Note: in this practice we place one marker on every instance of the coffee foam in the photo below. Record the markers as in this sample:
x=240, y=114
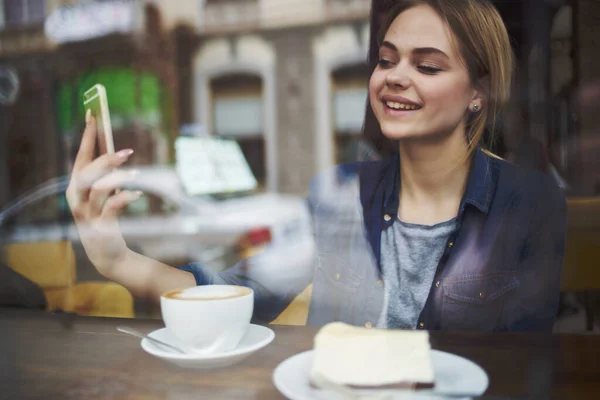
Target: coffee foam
x=209, y=292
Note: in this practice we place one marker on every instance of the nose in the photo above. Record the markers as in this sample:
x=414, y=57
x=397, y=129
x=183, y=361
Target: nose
x=398, y=77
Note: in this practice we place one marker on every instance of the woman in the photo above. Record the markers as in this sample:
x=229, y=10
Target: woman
x=438, y=235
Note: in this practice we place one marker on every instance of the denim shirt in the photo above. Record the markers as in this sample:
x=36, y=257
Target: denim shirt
x=500, y=270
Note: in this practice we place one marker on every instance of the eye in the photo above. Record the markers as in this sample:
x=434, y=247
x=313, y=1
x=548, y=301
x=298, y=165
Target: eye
x=428, y=69
x=383, y=63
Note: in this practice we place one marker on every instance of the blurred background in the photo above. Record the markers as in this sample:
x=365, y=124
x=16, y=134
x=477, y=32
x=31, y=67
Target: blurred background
x=285, y=82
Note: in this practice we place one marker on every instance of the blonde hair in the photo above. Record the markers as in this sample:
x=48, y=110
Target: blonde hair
x=484, y=46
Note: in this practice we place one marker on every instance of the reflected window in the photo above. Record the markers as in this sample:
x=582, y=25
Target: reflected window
x=349, y=109
x=238, y=115
x=350, y=95
x=247, y=120
x=23, y=12
x=218, y=13
x=151, y=205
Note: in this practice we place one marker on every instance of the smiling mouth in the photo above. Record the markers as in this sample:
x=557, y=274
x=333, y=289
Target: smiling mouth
x=402, y=106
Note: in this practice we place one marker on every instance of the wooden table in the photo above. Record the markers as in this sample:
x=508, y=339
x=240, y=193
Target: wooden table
x=45, y=355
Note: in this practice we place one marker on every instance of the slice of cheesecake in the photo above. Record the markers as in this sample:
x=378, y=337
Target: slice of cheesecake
x=364, y=358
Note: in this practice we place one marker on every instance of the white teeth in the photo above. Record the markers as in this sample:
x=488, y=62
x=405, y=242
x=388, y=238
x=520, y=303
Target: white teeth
x=400, y=106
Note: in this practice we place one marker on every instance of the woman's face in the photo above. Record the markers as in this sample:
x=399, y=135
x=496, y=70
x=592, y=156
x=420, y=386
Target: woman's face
x=420, y=88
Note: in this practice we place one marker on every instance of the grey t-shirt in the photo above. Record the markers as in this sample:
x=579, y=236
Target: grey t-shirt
x=410, y=254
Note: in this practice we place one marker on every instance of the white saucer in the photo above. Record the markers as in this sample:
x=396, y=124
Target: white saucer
x=256, y=338
x=454, y=376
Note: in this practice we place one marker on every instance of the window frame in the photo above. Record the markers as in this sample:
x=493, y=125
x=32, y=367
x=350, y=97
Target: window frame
x=26, y=19
x=2, y=14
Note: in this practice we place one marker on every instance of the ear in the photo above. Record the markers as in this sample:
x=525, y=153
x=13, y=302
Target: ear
x=481, y=91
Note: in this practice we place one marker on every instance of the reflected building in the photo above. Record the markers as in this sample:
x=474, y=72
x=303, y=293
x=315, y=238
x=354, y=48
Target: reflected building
x=285, y=78
x=121, y=44
x=309, y=57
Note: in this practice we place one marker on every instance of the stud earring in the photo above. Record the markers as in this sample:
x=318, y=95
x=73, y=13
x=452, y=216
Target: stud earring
x=475, y=108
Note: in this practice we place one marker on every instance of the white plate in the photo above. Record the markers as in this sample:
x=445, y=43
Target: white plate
x=256, y=338
x=454, y=376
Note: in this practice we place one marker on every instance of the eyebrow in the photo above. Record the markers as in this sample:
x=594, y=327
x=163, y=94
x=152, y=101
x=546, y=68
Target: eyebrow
x=419, y=51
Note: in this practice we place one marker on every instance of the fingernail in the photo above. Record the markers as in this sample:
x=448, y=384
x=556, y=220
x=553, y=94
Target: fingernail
x=125, y=153
x=136, y=195
x=88, y=116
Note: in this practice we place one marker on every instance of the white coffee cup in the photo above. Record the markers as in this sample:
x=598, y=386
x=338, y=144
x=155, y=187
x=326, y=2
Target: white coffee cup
x=208, y=319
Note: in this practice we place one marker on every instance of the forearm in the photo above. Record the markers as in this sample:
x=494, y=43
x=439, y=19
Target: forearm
x=147, y=278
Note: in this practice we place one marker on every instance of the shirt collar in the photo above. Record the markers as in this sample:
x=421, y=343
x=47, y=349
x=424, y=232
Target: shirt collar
x=481, y=183
x=479, y=191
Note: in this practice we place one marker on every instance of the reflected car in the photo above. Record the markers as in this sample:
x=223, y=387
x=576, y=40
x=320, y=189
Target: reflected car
x=168, y=225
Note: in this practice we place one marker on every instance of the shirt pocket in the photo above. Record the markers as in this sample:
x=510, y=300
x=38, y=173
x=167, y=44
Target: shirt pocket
x=338, y=272
x=336, y=291
x=475, y=302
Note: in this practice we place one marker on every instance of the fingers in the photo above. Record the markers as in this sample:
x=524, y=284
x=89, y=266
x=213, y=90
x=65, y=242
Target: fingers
x=103, y=187
x=104, y=223
x=75, y=203
x=75, y=199
x=113, y=206
x=86, y=170
x=82, y=181
x=88, y=143
x=100, y=167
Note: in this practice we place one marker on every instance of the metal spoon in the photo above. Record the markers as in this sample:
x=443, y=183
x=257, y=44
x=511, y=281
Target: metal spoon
x=134, y=332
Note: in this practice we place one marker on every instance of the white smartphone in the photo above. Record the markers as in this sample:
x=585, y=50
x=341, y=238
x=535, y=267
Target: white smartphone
x=96, y=101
